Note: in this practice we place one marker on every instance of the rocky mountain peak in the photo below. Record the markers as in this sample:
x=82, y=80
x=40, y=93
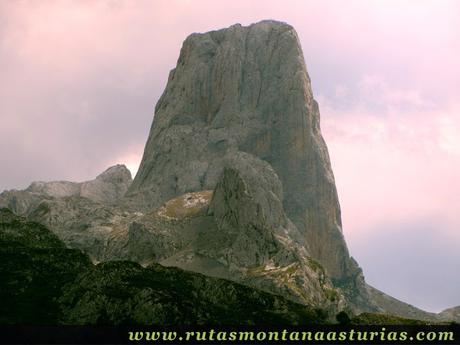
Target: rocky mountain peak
x=245, y=89
x=235, y=183
x=117, y=173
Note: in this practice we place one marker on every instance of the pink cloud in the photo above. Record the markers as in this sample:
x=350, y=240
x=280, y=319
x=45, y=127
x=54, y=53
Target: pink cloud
x=398, y=162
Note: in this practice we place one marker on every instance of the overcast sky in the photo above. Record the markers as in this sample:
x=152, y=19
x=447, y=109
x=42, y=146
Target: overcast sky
x=79, y=81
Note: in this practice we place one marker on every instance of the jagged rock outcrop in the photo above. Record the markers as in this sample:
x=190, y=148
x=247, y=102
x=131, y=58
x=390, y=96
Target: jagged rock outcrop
x=451, y=314
x=393, y=306
x=245, y=89
x=246, y=237
x=248, y=211
x=106, y=188
x=81, y=214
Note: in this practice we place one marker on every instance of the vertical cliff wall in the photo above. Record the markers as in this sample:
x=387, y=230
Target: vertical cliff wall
x=245, y=89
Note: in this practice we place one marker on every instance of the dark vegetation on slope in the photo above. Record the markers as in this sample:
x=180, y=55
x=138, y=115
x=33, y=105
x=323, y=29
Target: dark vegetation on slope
x=45, y=283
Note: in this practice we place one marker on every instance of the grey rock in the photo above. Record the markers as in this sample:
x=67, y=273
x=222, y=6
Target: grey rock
x=247, y=207
x=21, y=201
x=81, y=214
x=109, y=232
x=79, y=222
x=55, y=189
x=107, y=188
x=245, y=89
x=391, y=305
x=244, y=92
x=254, y=237
x=451, y=314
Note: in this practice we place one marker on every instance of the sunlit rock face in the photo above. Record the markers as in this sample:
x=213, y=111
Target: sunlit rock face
x=107, y=188
x=245, y=89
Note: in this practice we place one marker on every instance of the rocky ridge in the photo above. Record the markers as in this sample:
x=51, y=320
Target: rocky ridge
x=107, y=188
x=45, y=283
x=450, y=314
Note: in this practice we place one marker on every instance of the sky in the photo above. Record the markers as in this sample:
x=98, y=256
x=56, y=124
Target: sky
x=79, y=81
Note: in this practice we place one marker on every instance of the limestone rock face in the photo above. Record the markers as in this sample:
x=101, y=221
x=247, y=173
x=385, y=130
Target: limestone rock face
x=254, y=239
x=21, y=201
x=81, y=214
x=248, y=211
x=107, y=187
x=245, y=89
x=451, y=314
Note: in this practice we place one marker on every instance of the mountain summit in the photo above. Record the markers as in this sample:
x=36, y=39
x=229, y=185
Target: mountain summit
x=246, y=89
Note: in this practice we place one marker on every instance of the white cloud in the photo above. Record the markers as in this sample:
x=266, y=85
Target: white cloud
x=396, y=169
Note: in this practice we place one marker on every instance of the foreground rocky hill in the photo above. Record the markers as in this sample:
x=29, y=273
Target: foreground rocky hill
x=450, y=314
x=235, y=183
x=238, y=231
x=45, y=283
